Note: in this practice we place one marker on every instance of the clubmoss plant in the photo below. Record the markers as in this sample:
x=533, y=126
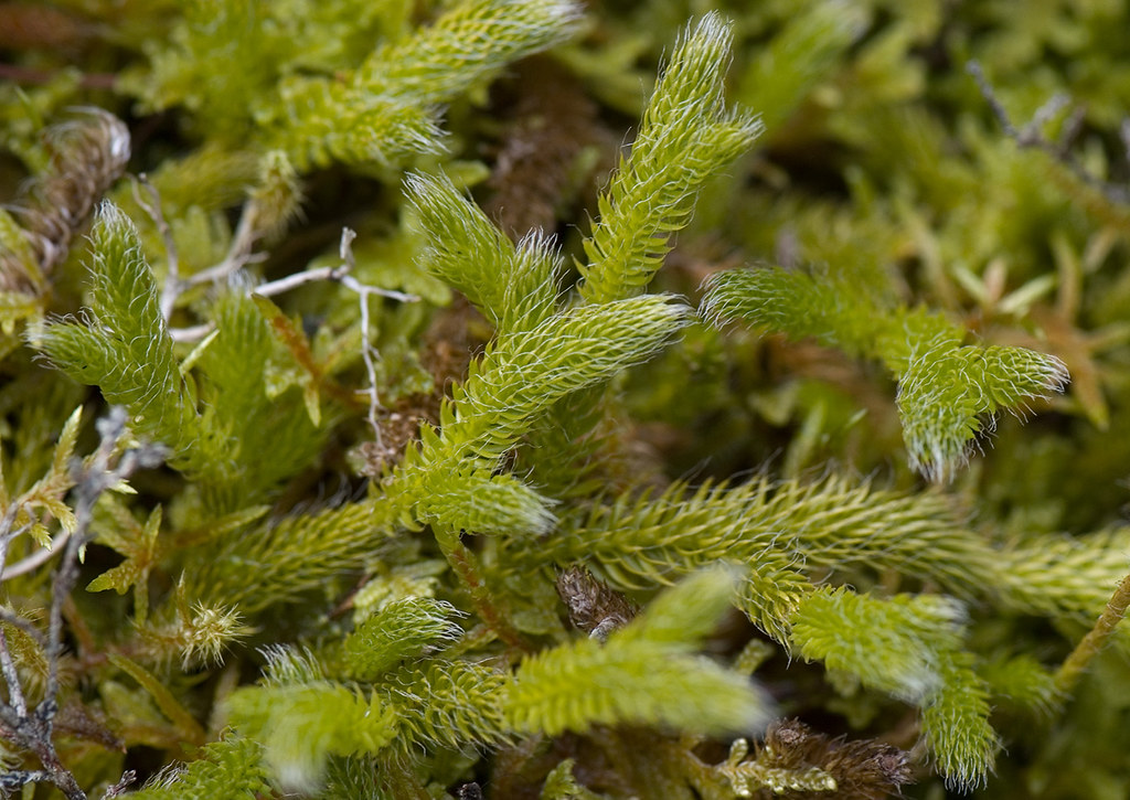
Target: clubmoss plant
x=793, y=467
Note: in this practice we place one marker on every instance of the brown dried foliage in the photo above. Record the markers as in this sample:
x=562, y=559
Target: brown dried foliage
x=446, y=354
x=87, y=155
x=551, y=122
x=79, y=721
x=593, y=607
x=864, y=769
x=27, y=26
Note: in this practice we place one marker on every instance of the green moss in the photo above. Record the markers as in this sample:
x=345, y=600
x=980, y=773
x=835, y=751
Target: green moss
x=448, y=508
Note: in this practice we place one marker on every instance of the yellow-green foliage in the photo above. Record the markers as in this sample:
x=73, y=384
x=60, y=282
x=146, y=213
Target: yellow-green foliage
x=646, y=672
x=230, y=768
x=808, y=403
x=401, y=629
x=687, y=134
x=126, y=348
x=946, y=391
x=513, y=286
x=299, y=726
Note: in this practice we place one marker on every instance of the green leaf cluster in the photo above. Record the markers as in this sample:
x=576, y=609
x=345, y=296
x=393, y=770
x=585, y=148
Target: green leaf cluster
x=948, y=393
x=446, y=510
x=125, y=348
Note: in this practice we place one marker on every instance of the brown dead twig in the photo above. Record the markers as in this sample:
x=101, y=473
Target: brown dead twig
x=87, y=154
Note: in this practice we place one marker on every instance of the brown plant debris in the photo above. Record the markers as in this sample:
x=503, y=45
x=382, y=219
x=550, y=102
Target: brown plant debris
x=446, y=354
x=552, y=123
x=87, y=155
x=864, y=769
x=593, y=607
x=26, y=26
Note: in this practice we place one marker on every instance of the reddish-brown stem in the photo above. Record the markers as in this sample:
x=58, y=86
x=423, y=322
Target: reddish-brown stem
x=24, y=75
x=462, y=561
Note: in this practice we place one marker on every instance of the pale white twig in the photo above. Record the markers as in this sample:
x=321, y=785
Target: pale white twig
x=293, y=281
x=239, y=252
x=238, y=256
x=26, y=565
x=363, y=292
x=192, y=334
x=339, y=275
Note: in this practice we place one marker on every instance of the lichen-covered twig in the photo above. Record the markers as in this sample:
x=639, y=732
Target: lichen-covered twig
x=32, y=728
x=1029, y=136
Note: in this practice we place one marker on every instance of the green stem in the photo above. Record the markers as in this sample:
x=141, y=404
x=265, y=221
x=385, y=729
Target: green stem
x=1096, y=639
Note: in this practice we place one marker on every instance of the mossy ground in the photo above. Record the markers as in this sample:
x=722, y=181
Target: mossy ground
x=787, y=329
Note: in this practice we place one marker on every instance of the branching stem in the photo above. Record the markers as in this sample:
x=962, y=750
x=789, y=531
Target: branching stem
x=32, y=729
x=32, y=562
x=11, y=677
x=1030, y=137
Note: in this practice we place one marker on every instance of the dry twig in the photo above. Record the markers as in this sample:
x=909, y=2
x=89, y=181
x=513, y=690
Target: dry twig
x=32, y=728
